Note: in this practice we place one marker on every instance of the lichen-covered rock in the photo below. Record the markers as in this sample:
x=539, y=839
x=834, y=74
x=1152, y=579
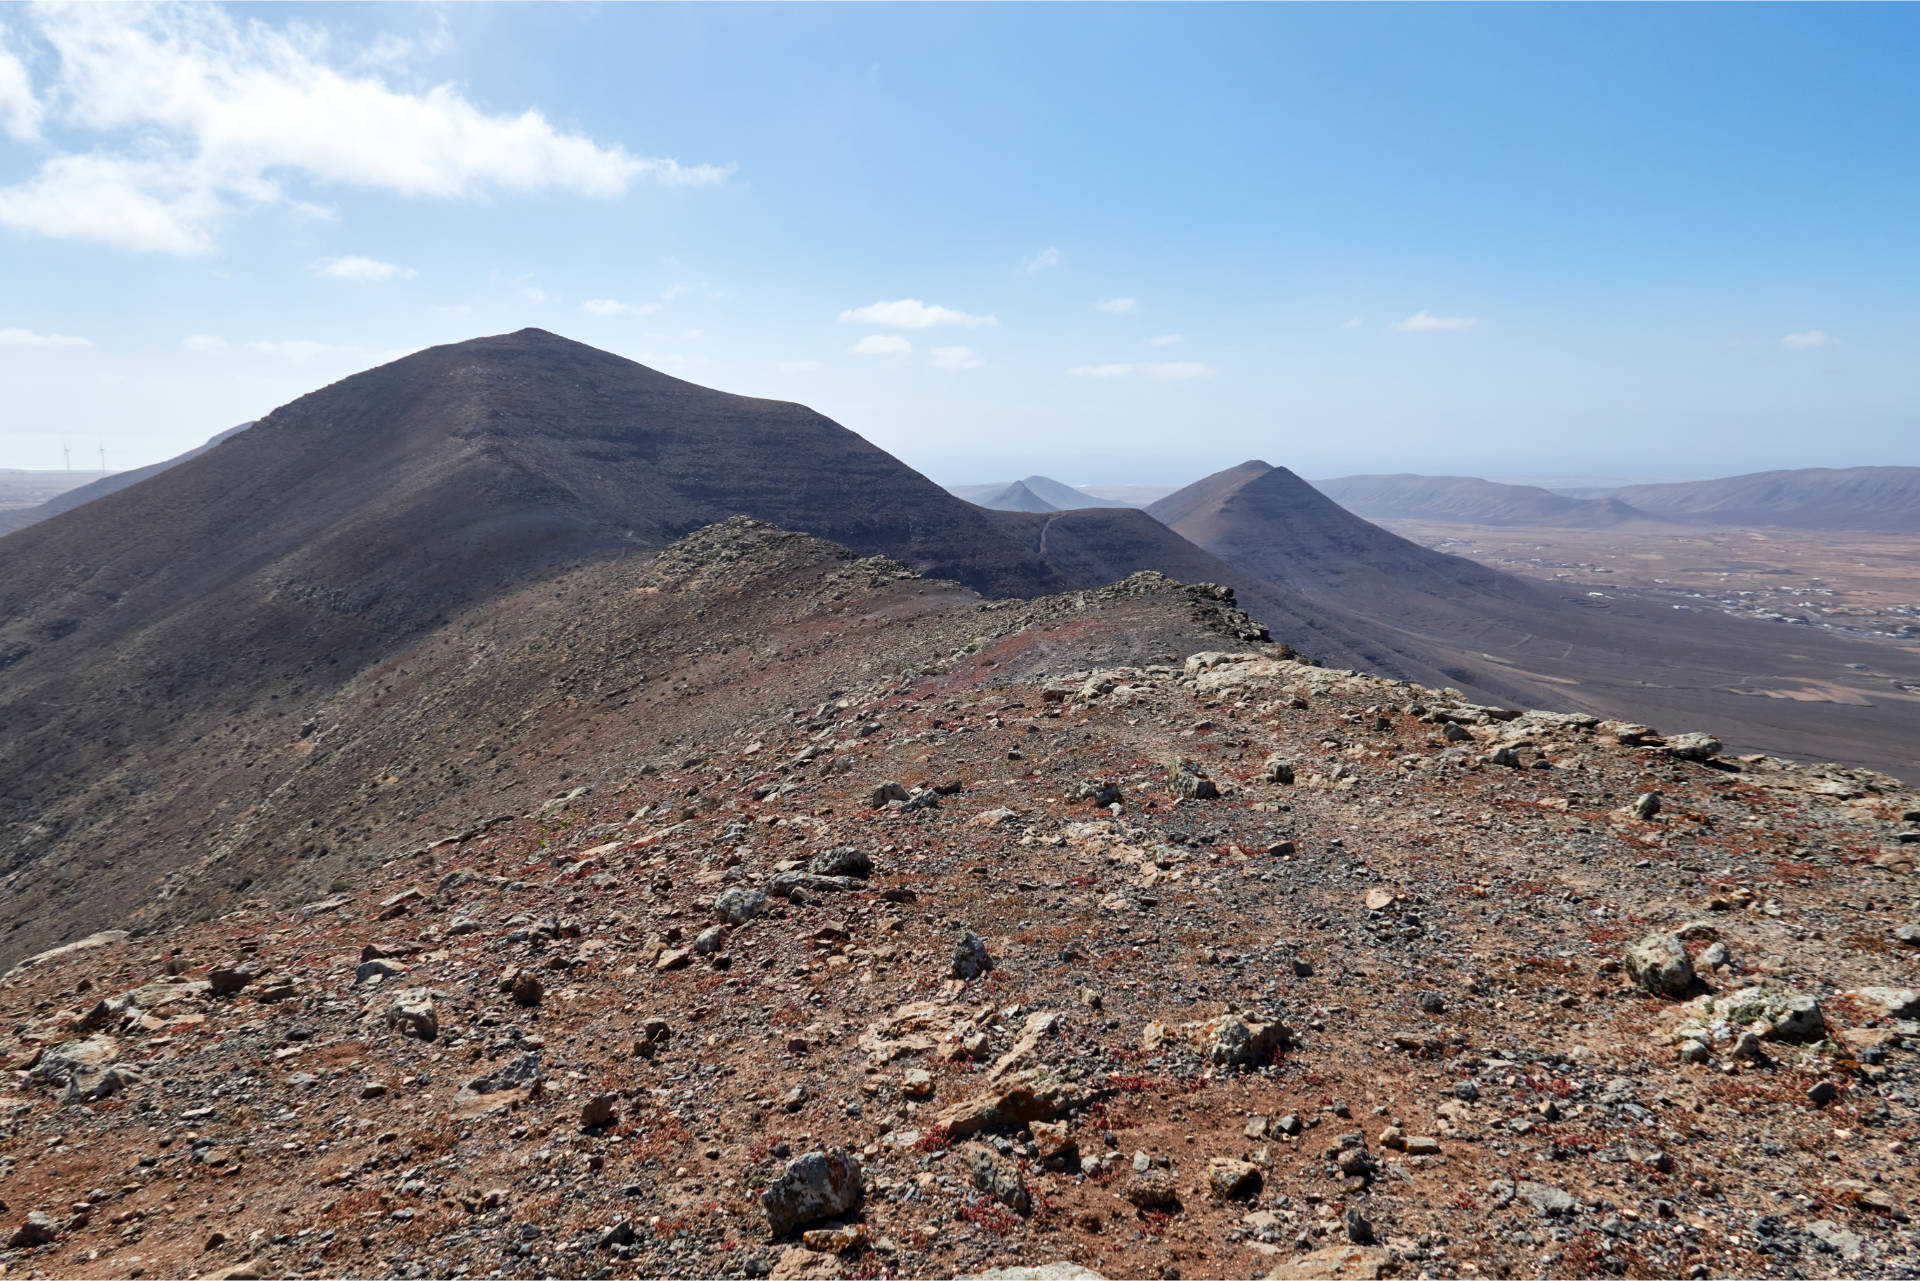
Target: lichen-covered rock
x=740, y=904
x=814, y=1186
x=993, y=1174
x=1659, y=963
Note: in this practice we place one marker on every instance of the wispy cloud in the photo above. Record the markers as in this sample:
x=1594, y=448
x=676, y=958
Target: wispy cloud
x=956, y=358
x=1168, y=370
x=28, y=338
x=19, y=109
x=1426, y=322
x=1811, y=338
x=1351, y=322
x=198, y=113
x=204, y=344
x=298, y=350
x=882, y=345
x=797, y=366
x=365, y=270
x=612, y=307
x=1165, y=340
x=1048, y=257
x=1117, y=306
x=911, y=313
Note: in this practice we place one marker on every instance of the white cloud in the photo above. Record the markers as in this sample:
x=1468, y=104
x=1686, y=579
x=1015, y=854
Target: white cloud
x=797, y=366
x=200, y=113
x=911, y=313
x=1351, y=322
x=604, y=307
x=204, y=344
x=1048, y=257
x=298, y=350
x=1169, y=370
x=19, y=110
x=1426, y=322
x=28, y=338
x=881, y=345
x=533, y=293
x=1811, y=338
x=1117, y=306
x=956, y=358
x=1165, y=340
x=365, y=270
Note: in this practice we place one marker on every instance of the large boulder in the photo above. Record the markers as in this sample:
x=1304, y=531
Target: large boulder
x=814, y=1186
x=1659, y=963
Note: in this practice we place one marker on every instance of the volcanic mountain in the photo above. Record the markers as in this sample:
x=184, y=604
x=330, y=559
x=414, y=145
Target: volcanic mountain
x=218, y=602
x=1470, y=501
x=1885, y=499
x=1614, y=654
x=1034, y=494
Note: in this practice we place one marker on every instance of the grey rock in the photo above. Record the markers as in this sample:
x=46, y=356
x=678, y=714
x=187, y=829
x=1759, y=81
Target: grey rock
x=738, y=905
x=1693, y=747
x=1659, y=963
x=815, y=1185
x=993, y=1174
x=969, y=959
x=843, y=860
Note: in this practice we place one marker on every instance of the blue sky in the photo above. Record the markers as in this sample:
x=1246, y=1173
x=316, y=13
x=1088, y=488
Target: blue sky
x=1129, y=243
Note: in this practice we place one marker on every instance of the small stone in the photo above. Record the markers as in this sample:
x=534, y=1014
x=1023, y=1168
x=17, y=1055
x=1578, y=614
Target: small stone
x=1645, y=806
x=598, y=1111
x=969, y=959
x=918, y=1083
x=1151, y=1190
x=1822, y=1093
x=1230, y=1179
x=996, y=1176
x=528, y=990
x=39, y=1228
x=412, y=1012
x=1659, y=963
x=739, y=904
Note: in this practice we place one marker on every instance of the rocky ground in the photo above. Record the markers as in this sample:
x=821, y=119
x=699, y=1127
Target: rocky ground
x=1222, y=965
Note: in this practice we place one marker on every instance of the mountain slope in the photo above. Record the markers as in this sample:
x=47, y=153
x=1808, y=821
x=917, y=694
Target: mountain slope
x=1471, y=501
x=111, y=483
x=218, y=602
x=1884, y=499
x=1613, y=654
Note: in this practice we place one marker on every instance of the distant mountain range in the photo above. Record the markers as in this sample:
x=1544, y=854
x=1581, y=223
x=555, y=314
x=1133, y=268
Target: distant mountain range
x=1885, y=499
x=1880, y=499
x=1467, y=500
x=1034, y=494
